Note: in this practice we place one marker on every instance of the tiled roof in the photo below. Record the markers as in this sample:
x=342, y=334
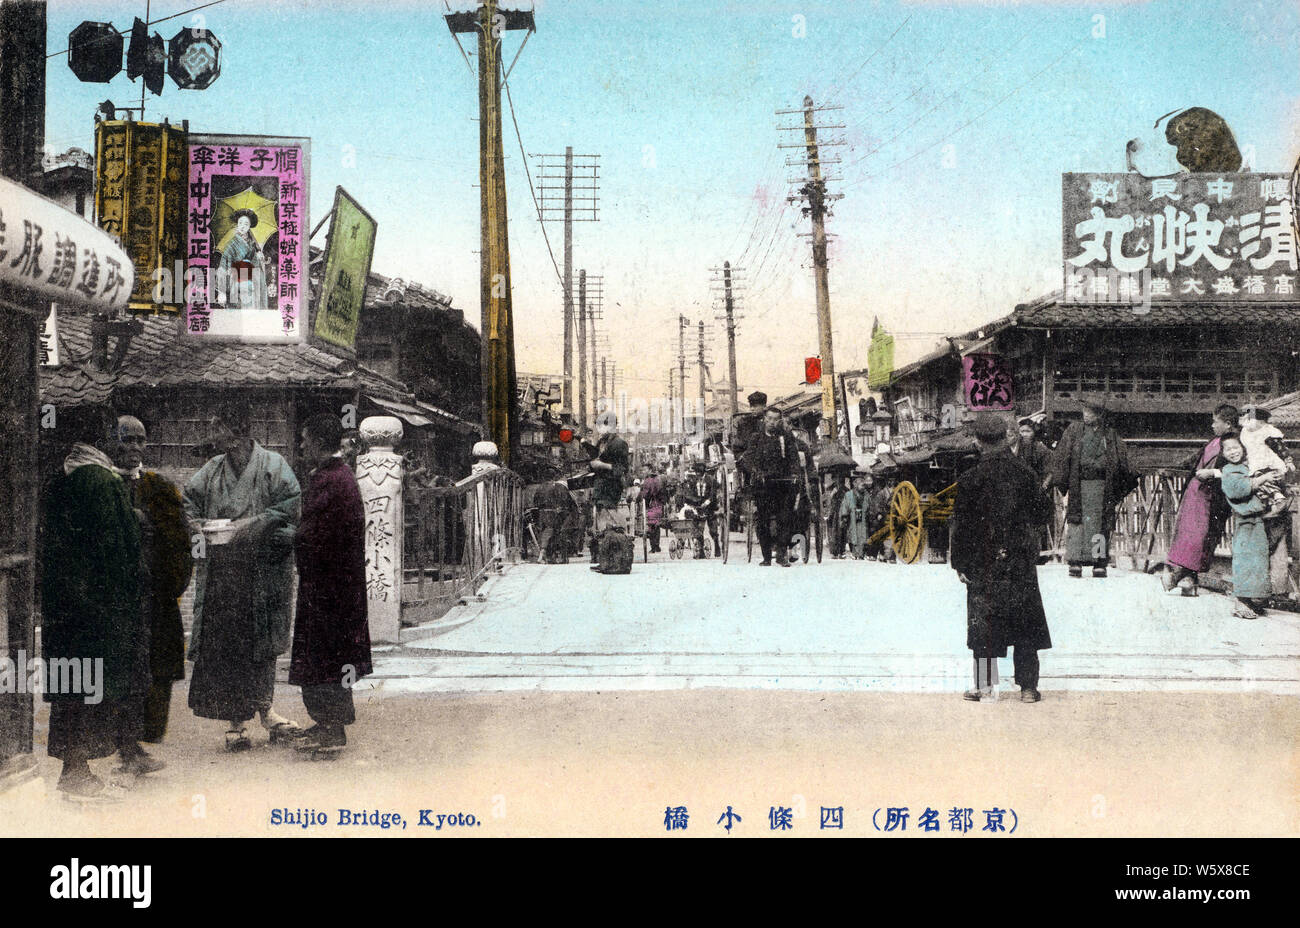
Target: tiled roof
x=1285, y=410
x=160, y=357
x=795, y=402
x=1053, y=314
x=413, y=293
x=955, y=345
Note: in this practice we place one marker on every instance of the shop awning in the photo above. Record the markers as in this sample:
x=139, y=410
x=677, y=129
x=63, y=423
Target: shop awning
x=408, y=414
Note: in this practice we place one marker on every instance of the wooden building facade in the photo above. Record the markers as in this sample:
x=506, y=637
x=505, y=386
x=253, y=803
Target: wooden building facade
x=1163, y=371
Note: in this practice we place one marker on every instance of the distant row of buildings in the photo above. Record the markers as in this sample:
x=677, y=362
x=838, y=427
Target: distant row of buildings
x=1161, y=371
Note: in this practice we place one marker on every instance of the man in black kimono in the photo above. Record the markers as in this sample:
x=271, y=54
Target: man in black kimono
x=331, y=637
x=999, y=511
x=1090, y=464
x=166, y=565
x=770, y=463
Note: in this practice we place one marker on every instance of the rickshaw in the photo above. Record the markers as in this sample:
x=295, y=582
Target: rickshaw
x=925, y=493
x=684, y=534
x=807, y=524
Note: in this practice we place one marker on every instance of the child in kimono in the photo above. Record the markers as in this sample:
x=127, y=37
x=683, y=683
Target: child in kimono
x=1264, y=450
x=1250, y=579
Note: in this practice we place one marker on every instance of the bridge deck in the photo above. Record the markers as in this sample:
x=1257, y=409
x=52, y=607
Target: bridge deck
x=840, y=625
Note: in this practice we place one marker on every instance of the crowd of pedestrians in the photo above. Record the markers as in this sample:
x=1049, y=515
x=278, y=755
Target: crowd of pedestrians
x=119, y=545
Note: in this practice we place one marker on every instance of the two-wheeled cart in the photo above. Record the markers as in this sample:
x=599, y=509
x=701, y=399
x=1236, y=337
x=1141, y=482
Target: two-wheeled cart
x=924, y=496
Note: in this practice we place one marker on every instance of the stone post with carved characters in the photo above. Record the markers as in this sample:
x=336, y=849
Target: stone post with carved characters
x=379, y=475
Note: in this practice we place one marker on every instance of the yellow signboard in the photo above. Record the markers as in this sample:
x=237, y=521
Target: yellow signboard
x=140, y=196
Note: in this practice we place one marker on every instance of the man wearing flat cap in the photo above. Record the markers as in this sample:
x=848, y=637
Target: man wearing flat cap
x=999, y=511
x=1091, y=465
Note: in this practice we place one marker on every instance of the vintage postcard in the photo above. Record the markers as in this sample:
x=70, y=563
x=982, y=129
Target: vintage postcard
x=677, y=419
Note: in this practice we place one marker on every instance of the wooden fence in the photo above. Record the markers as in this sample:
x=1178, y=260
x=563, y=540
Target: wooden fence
x=1144, y=523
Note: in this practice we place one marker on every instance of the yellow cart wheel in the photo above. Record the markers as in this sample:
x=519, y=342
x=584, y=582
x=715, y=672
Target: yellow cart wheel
x=905, y=523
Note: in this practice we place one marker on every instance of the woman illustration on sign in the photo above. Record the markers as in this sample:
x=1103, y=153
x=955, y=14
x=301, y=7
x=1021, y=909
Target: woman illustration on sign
x=241, y=275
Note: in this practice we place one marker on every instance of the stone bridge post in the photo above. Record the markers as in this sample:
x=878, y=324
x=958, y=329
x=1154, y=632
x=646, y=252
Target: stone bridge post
x=379, y=475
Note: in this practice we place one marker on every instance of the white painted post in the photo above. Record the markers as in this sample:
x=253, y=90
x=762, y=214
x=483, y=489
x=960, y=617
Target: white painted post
x=379, y=475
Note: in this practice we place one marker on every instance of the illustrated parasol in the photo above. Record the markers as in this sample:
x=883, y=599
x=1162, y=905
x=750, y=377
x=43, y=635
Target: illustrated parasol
x=225, y=216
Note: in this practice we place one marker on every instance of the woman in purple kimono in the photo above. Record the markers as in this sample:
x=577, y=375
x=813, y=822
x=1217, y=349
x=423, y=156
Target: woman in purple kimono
x=652, y=492
x=1202, y=512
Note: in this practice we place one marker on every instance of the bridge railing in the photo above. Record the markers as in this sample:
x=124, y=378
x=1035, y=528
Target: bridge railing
x=454, y=536
x=428, y=546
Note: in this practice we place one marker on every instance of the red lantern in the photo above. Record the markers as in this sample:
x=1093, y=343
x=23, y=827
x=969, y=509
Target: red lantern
x=566, y=435
x=812, y=370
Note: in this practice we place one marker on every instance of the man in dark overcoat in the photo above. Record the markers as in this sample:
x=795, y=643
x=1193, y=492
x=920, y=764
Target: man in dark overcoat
x=331, y=637
x=999, y=510
x=166, y=567
x=746, y=425
x=91, y=615
x=1091, y=465
x=552, y=506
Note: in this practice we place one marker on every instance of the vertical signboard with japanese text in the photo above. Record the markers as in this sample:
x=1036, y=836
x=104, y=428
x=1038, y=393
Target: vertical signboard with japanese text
x=348, y=255
x=140, y=176
x=48, y=344
x=247, y=238
x=986, y=382
x=1189, y=237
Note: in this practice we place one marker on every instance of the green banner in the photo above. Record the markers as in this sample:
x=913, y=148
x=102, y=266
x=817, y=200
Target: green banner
x=880, y=359
x=348, y=254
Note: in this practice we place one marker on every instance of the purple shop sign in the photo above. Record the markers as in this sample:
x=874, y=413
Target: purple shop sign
x=247, y=232
x=986, y=382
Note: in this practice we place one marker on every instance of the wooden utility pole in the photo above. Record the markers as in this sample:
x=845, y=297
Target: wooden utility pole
x=813, y=192
x=604, y=382
x=582, y=349
x=730, y=306
x=672, y=401
x=497, y=353
x=591, y=329
x=566, y=392
x=816, y=195
x=567, y=189
x=681, y=374
x=700, y=354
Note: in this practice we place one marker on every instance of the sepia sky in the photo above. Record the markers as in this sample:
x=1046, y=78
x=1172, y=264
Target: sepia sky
x=959, y=119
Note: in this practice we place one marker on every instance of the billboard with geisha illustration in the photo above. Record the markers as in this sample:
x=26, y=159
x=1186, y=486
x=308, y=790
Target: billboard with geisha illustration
x=248, y=237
